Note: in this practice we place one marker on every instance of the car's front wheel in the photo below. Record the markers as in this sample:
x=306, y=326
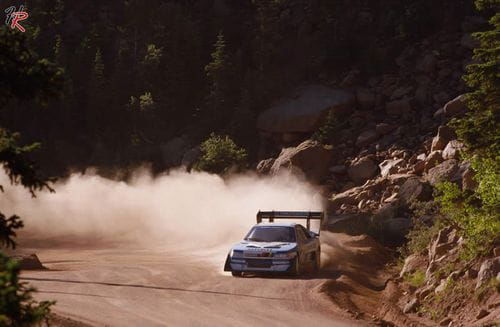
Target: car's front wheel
x=237, y=273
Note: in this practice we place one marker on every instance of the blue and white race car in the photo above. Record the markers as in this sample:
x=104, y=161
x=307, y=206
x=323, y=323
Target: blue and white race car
x=277, y=247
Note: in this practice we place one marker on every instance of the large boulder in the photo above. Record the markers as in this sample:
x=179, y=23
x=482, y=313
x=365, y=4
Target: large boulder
x=349, y=197
x=366, y=138
x=490, y=269
x=446, y=133
x=468, y=180
x=438, y=143
x=434, y=158
x=387, y=212
x=305, y=110
x=444, y=136
x=28, y=262
x=414, y=190
x=389, y=166
x=443, y=172
x=452, y=150
x=362, y=170
x=400, y=179
x=310, y=158
x=455, y=106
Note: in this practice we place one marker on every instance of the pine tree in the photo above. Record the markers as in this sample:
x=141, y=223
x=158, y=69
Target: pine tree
x=480, y=128
x=58, y=12
x=476, y=212
x=98, y=70
x=26, y=78
x=97, y=98
x=58, y=49
x=219, y=74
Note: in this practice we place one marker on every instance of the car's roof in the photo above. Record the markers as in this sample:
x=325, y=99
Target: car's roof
x=277, y=224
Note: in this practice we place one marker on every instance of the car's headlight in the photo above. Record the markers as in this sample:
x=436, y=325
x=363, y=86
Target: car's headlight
x=236, y=254
x=285, y=255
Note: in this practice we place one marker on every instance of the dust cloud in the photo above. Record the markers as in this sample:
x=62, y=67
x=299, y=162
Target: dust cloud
x=187, y=209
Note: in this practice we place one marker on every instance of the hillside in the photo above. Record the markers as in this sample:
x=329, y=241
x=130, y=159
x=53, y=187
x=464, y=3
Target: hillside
x=141, y=87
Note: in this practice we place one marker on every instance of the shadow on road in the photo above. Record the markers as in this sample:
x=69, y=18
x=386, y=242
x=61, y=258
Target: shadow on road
x=57, y=280
x=321, y=275
x=72, y=293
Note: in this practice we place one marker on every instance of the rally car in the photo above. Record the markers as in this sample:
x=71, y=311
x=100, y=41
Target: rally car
x=277, y=247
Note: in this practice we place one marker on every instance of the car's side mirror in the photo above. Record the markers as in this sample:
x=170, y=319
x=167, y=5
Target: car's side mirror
x=313, y=234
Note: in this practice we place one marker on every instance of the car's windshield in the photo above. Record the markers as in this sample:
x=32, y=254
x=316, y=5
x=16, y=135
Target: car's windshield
x=271, y=234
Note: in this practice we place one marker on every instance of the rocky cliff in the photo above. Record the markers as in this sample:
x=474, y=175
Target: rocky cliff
x=390, y=149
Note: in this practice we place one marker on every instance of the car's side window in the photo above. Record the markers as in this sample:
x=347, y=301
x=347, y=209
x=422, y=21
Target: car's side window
x=300, y=235
x=306, y=233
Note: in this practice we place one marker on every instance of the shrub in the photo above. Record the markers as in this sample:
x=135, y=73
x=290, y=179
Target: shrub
x=423, y=230
x=419, y=237
x=417, y=279
x=470, y=214
x=17, y=307
x=479, y=129
x=327, y=133
x=220, y=153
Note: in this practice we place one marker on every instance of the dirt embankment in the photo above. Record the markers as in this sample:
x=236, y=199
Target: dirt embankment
x=365, y=282
x=363, y=286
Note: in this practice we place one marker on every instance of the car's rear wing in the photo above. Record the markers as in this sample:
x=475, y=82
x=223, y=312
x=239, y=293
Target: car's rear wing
x=308, y=215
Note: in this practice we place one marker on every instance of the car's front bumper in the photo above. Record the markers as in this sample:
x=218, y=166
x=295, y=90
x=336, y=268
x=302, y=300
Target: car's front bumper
x=260, y=265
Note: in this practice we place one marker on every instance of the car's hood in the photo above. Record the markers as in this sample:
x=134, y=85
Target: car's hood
x=264, y=246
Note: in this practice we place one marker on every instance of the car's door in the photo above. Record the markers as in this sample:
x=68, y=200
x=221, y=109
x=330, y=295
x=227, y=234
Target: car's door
x=307, y=245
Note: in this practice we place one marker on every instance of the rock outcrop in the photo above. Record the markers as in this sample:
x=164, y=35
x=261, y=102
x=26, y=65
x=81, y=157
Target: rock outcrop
x=305, y=110
x=442, y=172
x=264, y=166
x=392, y=146
x=455, y=106
x=28, y=262
x=362, y=170
x=490, y=269
x=310, y=159
x=414, y=190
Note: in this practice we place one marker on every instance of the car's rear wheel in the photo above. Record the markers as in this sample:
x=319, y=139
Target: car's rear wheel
x=237, y=273
x=296, y=269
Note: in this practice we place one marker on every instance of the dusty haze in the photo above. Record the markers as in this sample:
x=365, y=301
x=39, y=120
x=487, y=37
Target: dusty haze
x=189, y=209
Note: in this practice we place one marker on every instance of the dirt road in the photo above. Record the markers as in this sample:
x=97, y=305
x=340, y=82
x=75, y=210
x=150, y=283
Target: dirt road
x=118, y=286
